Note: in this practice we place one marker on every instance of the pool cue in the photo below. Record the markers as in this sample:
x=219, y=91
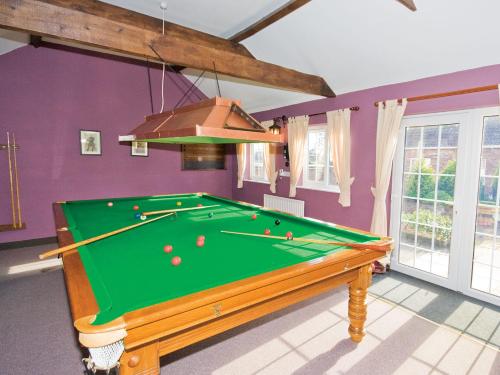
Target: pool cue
x=178, y=210
x=19, y=217
x=96, y=238
x=385, y=246
x=11, y=183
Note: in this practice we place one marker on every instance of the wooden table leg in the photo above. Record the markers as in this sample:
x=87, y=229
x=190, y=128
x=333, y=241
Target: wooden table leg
x=357, y=303
x=143, y=360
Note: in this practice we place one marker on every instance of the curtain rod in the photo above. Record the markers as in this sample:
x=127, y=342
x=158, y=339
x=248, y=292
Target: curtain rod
x=448, y=93
x=356, y=108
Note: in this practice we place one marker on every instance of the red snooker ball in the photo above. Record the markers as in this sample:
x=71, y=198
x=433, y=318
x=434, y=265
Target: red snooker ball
x=200, y=243
x=200, y=205
x=200, y=238
x=136, y=207
x=254, y=216
x=176, y=261
x=289, y=235
x=267, y=231
x=168, y=248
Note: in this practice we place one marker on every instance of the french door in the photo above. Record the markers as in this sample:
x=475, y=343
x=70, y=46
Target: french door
x=445, y=206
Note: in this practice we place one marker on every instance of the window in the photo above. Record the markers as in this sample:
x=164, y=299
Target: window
x=257, y=170
x=318, y=167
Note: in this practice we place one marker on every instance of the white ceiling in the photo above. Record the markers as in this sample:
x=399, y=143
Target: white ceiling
x=353, y=44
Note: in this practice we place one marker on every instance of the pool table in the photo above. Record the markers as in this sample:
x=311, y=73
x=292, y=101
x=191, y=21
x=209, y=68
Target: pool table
x=125, y=289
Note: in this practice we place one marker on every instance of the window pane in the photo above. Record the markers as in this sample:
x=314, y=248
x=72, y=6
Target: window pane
x=490, y=161
x=408, y=231
x=409, y=210
x=447, y=161
x=412, y=138
x=427, y=186
x=424, y=236
x=485, y=219
x=316, y=157
x=406, y=255
x=431, y=136
x=410, y=185
x=257, y=171
x=488, y=189
x=429, y=159
x=446, y=188
x=491, y=135
x=449, y=136
x=411, y=160
x=332, y=180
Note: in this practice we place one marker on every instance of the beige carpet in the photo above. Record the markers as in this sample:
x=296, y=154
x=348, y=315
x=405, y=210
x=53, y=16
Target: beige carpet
x=309, y=338
x=313, y=339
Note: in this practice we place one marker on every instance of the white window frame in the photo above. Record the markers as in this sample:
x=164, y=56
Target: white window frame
x=252, y=176
x=312, y=185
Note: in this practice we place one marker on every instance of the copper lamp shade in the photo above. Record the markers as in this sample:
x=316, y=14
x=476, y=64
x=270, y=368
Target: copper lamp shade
x=215, y=120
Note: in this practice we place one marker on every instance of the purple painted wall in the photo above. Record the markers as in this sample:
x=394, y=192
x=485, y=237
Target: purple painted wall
x=47, y=95
x=324, y=205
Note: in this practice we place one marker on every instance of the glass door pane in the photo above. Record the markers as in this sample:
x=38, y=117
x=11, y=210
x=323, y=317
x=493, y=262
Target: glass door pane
x=427, y=201
x=486, y=259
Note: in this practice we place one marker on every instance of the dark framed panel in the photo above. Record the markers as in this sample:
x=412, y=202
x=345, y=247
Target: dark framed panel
x=203, y=156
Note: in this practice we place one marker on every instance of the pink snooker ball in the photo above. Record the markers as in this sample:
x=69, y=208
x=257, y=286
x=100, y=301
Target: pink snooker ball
x=176, y=260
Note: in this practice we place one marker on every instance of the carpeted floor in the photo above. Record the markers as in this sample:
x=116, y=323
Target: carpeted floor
x=36, y=330
x=309, y=338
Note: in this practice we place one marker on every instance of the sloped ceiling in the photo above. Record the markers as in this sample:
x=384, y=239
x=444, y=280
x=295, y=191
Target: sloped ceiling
x=353, y=44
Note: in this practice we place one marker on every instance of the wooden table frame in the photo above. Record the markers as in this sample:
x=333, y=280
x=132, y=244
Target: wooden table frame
x=160, y=329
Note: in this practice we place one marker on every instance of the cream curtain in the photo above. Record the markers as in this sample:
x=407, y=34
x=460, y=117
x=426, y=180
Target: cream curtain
x=297, y=135
x=241, y=155
x=339, y=137
x=388, y=124
x=270, y=159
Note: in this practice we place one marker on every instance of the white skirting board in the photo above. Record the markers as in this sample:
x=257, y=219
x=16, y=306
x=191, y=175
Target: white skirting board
x=291, y=206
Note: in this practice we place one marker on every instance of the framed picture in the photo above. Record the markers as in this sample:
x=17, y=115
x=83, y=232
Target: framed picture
x=139, y=149
x=90, y=142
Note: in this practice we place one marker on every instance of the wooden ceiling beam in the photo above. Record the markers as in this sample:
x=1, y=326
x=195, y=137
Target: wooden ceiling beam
x=129, y=17
x=173, y=50
x=269, y=19
x=409, y=4
x=99, y=25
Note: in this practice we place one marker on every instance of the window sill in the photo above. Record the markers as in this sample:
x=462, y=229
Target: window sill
x=333, y=189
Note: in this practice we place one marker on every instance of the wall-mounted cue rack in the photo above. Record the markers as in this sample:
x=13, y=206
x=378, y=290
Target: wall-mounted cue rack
x=15, y=201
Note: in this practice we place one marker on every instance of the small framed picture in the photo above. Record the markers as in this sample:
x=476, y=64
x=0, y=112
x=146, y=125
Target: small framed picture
x=139, y=149
x=90, y=142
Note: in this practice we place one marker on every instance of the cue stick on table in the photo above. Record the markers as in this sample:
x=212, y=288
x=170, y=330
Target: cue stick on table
x=17, y=183
x=178, y=210
x=97, y=238
x=14, y=223
x=385, y=246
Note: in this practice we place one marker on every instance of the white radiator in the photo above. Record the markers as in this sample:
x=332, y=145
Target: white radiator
x=291, y=206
